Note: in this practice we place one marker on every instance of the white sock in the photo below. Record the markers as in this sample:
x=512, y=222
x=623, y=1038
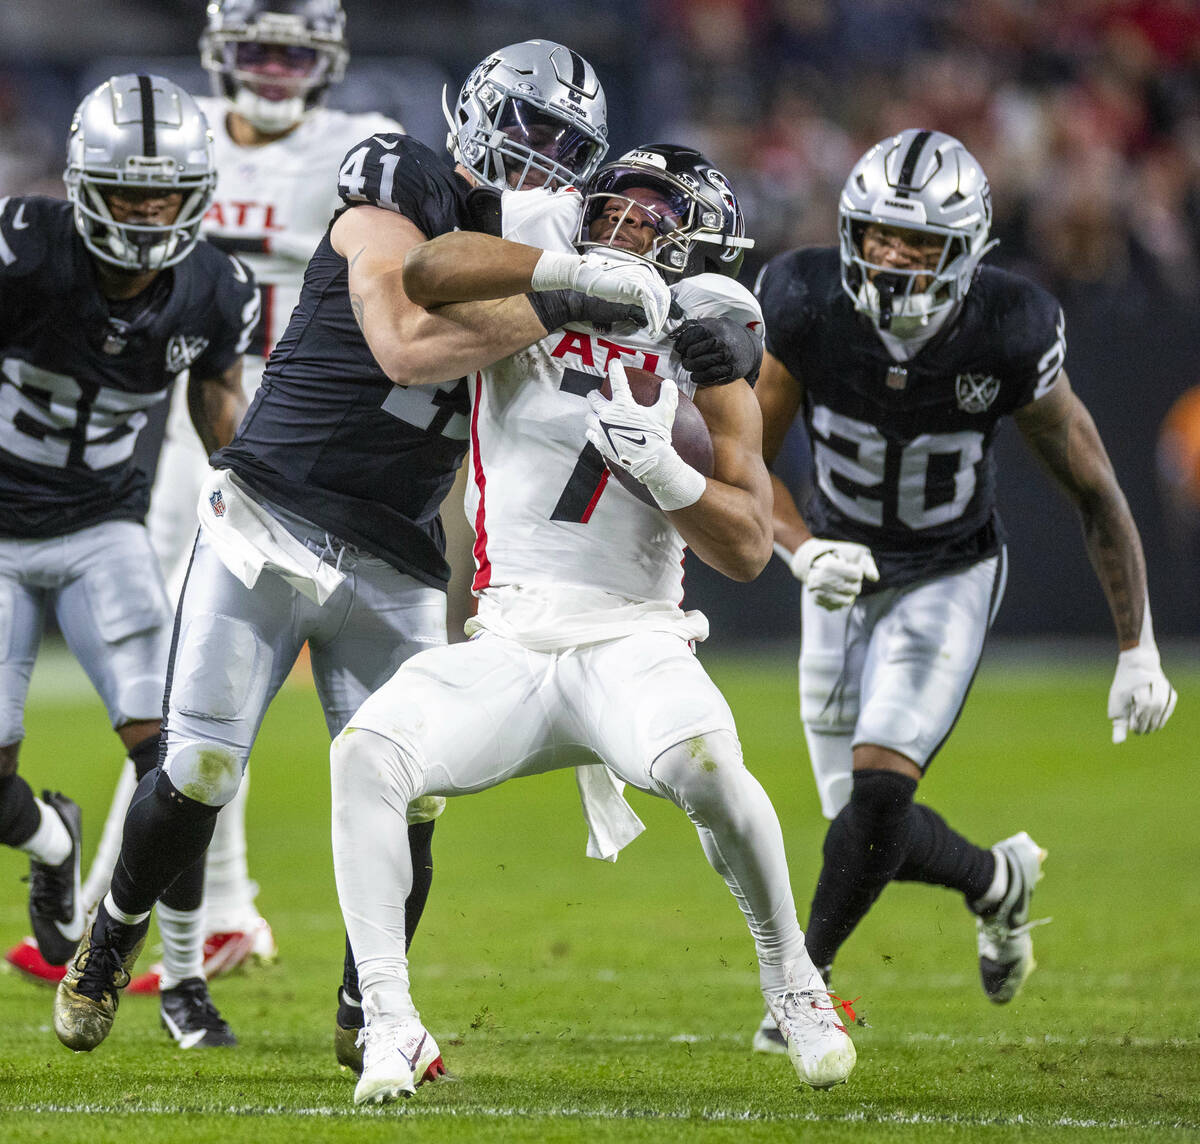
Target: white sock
x=118, y=915
x=998, y=888
x=228, y=891
x=104, y=861
x=50, y=843
x=182, y=934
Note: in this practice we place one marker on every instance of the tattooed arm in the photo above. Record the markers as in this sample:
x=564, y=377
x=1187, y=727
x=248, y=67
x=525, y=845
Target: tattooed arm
x=412, y=345
x=1060, y=432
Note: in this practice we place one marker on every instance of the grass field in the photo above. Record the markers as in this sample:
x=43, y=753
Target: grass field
x=575, y=1000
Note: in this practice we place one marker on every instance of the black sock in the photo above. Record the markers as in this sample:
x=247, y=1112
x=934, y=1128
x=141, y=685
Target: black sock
x=145, y=756
x=864, y=847
x=187, y=891
x=165, y=833
x=420, y=845
x=943, y=857
x=19, y=814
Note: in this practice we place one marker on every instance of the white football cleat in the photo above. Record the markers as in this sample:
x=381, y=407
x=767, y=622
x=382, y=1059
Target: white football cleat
x=768, y=1038
x=1005, y=947
x=818, y=1045
x=397, y=1057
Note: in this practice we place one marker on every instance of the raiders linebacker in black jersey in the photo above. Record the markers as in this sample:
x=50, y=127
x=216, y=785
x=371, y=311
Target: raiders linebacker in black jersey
x=320, y=520
x=902, y=354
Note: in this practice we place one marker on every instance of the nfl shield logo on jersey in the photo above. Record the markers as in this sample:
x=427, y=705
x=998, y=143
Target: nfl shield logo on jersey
x=217, y=502
x=975, y=391
x=182, y=351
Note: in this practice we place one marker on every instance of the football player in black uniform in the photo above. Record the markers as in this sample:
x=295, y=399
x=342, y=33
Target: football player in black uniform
x=106, y=299
x=902, y=354
x=320, y=521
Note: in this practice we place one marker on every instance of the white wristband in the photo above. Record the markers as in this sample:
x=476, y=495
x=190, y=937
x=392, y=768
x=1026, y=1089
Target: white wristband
x=555, y=271
x=673, y=483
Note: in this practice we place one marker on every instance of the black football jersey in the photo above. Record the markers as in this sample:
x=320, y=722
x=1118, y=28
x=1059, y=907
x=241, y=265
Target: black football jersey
x=78, y=371
x=902, y=451
x=328, y=435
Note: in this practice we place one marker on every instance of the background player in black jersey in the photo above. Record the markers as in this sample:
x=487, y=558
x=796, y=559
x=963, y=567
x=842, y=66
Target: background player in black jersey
x=320, y=521
x=104, y=300
x=903, y=354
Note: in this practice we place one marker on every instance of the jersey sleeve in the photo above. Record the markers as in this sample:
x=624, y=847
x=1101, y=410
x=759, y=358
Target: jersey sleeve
x=401, y=174
x=1035, y=340
x=542, y=218
x=23, y=238
x=783, y=295
x=236, y=301
x=716, y=296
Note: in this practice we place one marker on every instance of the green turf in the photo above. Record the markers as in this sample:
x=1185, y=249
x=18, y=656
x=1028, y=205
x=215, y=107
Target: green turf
x=577, y=1000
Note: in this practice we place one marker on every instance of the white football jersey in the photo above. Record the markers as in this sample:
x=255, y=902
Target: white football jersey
x=273, y=202
x=543, y=505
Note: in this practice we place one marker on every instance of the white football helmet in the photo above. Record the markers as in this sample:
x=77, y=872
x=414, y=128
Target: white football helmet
x=532, y=114
x=310, y=35
x=924, y=181
x=144, y=132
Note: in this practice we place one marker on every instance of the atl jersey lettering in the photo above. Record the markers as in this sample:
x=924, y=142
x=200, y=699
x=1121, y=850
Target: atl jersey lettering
x=902, y=451
x=273, y=202
x=328, y=435
x=78, y=373
x=543, y=506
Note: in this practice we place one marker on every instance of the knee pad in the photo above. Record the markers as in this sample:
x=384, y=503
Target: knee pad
x=146, y=755
x=359, y=759
x=207, y=773
x=698, y=768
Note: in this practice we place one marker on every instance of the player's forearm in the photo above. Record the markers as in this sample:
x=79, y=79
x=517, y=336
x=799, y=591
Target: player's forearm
x=788, y=525
x=216, y=409
x=1115, y=550
x=465, y=266
x=729, y=529
x=456, y=340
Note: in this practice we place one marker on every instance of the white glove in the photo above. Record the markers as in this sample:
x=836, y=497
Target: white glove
x=1140, y=699
x=832, y=570
x=638, y=438
x=608, y=276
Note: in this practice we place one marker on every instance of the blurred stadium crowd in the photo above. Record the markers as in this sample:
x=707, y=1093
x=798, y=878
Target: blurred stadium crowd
x=1084, y=113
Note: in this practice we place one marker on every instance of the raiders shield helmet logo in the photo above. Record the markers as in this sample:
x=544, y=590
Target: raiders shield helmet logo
x=975, y=392
x=182, y=351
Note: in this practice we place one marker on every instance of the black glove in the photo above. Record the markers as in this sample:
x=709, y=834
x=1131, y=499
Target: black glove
x=555, y=308
x=716, y=351
x=483, y=210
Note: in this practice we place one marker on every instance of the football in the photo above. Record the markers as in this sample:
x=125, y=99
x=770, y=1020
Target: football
x=689, y=433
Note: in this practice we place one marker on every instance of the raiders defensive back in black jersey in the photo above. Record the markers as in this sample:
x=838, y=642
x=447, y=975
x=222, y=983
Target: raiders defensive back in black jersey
x=902, y=450
x=902, y=353
x=80, y=370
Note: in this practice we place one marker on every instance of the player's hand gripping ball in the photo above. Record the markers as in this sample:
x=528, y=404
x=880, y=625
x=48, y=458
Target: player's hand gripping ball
x=689, y=434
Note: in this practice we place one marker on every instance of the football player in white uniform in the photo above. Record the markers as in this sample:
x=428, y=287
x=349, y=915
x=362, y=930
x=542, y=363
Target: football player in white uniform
x=902, y=354
x=581, y=653
x=276, y=148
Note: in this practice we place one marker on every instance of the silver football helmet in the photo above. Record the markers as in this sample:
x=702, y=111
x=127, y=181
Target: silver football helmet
x=924, y=181
x=532, y=114
x=699, y=228
x=139, y=132
x=310, y=41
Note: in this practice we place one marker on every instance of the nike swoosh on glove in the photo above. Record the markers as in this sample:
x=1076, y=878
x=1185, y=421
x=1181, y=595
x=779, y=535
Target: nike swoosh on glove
x=638, y=438
x=607, y=276
x=832, y=570
x=1141, y=699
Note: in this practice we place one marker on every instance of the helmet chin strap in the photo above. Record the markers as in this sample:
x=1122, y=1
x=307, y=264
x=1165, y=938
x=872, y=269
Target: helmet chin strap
x=913, y=317
x=268, y=115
